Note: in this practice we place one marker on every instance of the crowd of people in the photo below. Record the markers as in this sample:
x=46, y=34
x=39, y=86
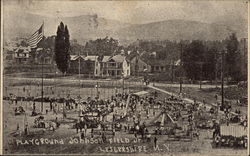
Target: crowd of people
x=131, y=114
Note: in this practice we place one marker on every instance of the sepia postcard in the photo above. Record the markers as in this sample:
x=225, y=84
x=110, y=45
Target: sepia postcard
x=124, y=77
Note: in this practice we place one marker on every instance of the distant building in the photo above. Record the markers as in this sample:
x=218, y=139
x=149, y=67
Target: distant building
x=44, y=56
x=141, y=65
x=112, y=66
x=9, y=54
x=90, y=65
x=138, y=66
x=101, y=66
x=159, y=66
x=22, y=54
x=75, y=60
x=86, y=63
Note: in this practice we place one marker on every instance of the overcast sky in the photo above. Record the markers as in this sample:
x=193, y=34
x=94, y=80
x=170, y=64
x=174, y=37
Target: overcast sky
x=132, y=11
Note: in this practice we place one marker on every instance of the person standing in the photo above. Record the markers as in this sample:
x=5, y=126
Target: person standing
x=82, y=135
x=16, y=100
x=34, y=106
x=85, y=128
x=155, y=141
x=51, y=104
x=26, y=129
x=77, y=126
x=92, y=133
x=113, y=131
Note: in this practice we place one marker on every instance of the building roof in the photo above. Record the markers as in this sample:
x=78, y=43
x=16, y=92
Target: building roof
x=91, y=57
x=118, y=58
x=39, y=49
x=156, y=62
x=177, y=63
x=75, y=57
x=106, y=58
x=103, y=58
x=22, y=50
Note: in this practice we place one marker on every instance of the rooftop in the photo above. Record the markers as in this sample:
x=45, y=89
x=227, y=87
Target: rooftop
x=91, y=57
x=118, y=58
x=75, y=57
x=22, y=50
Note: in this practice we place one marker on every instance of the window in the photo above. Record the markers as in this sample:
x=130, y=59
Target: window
x=118, y=72
x=162, y=68
x=153, y=68
x=113, y=64
x=119, y=65
x=96, y=71
x=157, y=68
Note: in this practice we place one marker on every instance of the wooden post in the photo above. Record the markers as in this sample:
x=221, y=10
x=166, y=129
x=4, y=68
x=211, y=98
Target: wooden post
x=201, y=65
x=42, y=88
x=222, y=79
x=172, y=71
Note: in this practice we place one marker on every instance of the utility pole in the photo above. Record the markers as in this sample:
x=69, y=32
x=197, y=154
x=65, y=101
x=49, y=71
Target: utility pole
x=79, y=67
x=181, y=61
x=201, y=65
x=216, y=69
x=245, y=55
x=123, y=85
x=42, y=87
x=97, y=92
x=42, y=74
x=222, y=79
x=172, y=71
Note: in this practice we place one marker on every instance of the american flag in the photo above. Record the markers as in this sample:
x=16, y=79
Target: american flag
x=36, y=37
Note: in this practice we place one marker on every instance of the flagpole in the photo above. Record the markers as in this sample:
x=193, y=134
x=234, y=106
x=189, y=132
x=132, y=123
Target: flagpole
x=42, y=72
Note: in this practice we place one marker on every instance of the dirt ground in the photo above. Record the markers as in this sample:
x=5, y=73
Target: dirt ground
x=201, y=145
x=206, y=94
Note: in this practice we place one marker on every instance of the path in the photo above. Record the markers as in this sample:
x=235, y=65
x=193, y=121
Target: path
x=185, y=99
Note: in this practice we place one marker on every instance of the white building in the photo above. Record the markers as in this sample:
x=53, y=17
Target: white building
x=112, y=66
x=22, y=54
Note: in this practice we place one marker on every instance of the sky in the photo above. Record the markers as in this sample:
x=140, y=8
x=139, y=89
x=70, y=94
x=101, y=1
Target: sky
x=136, y=12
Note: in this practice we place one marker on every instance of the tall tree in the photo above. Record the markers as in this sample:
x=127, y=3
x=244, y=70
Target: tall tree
x=193, y=57
x=209, y=64
x=232, y=57
x=62, y=48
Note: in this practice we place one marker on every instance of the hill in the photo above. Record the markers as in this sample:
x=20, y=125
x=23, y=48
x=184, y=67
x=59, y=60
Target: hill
x=82, y=27
x=180, y=29
x=86, y=27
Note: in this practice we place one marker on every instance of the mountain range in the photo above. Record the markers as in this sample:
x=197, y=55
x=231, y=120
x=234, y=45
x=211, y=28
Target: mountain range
x=86, y=27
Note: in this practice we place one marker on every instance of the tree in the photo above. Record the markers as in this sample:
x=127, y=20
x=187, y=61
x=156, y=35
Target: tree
x=105, y=46
x=62, y=48
x=232, y=63
x=209, y=64
x=193, y=57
